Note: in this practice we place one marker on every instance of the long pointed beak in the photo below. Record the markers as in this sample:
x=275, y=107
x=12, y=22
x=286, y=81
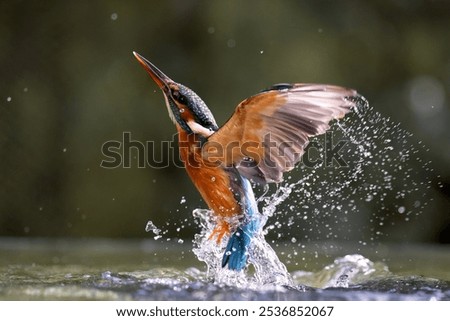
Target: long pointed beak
x=157, y=75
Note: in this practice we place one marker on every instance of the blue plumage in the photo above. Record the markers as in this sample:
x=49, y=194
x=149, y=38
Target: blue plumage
x=236, y=252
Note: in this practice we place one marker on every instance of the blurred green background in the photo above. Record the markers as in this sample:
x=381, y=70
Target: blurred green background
x=69, y=83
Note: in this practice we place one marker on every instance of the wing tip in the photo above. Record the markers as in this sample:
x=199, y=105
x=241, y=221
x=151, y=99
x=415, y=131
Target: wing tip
x=358, y=102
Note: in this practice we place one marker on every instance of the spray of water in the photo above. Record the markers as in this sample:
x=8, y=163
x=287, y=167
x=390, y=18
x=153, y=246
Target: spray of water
x=268, y=269
x=383, y=183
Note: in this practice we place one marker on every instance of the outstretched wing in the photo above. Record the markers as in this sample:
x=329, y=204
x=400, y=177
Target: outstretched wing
x=267, y=134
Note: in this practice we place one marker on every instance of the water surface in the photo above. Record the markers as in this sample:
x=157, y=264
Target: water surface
x=100, y=269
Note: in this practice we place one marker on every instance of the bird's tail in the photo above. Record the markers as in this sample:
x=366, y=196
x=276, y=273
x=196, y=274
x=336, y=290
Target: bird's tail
x=236, y=252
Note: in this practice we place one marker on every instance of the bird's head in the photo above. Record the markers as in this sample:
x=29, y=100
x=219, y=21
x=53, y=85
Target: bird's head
x=185, y=107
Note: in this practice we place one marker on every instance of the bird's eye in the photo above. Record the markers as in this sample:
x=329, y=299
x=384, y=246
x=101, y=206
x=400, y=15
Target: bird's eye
x=179, y=97
x=182, y=99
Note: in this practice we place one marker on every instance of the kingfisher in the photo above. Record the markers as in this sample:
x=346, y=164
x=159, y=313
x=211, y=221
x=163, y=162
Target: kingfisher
x=264, y=138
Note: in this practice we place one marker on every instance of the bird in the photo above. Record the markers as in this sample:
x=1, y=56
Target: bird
x=264, y=138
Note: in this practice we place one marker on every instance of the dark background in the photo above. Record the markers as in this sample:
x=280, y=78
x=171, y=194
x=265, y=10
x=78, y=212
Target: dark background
x=69, y=83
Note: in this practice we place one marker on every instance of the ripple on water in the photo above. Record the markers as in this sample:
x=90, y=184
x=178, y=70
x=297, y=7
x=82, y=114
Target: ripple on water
x=352, y=277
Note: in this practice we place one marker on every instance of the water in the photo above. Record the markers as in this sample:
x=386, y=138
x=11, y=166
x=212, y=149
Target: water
x=99, y=269
x=268, y=269
x=309, y=219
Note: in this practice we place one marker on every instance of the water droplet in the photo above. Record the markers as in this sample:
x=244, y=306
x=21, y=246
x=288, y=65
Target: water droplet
x=213, y=178
x=211, y=30
x=8, y=99
x=152, y=227
x=183, y=200
x=401, y=209
x=114, y=16
x=64, y=150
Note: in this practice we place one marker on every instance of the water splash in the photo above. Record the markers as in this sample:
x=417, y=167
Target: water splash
x=268, y=269
x=343, y=272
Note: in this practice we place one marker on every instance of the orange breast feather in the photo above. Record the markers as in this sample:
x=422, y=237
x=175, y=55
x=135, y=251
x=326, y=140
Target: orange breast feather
x=212, y=181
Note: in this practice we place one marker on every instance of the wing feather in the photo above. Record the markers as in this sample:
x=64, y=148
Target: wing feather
x=272, y=128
